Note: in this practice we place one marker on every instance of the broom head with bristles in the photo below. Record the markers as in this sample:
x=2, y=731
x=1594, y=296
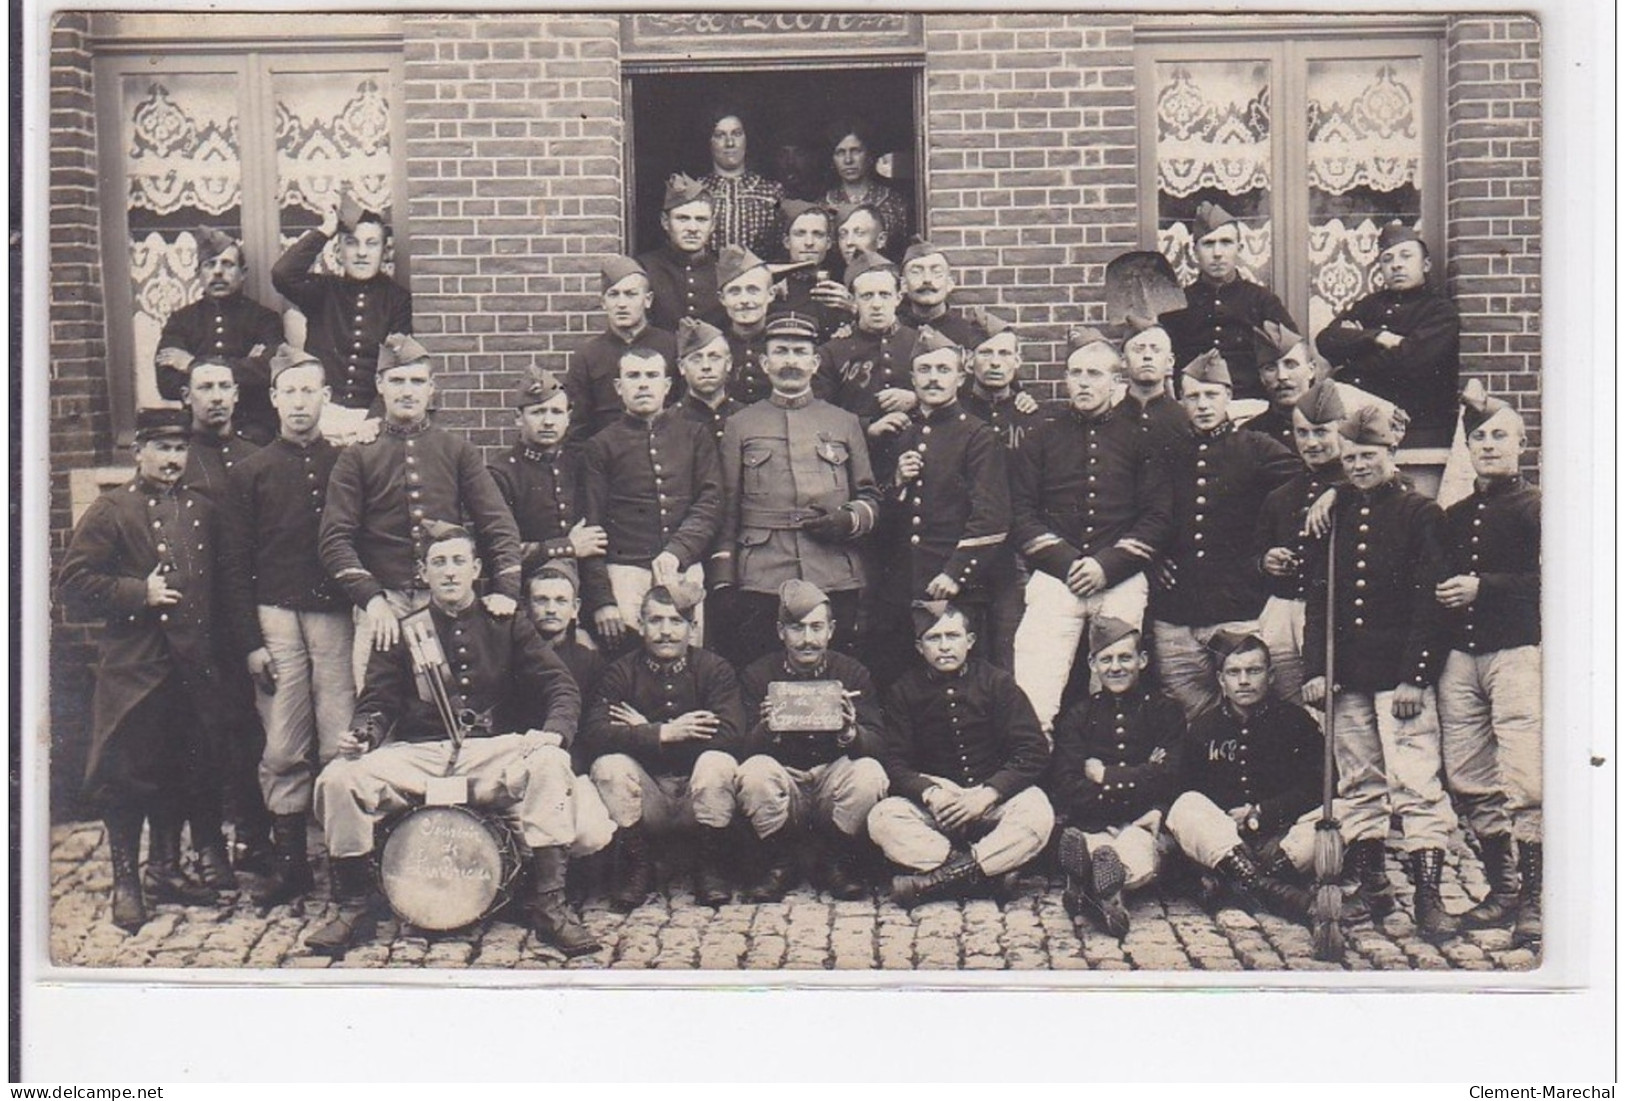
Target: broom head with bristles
x=1326, y=912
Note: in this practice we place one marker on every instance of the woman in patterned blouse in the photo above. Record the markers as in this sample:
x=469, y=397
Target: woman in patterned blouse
x=852, y=144
x=745, y=203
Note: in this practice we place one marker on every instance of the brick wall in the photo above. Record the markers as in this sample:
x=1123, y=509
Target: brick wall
x=1032, y=163
x=80, y=429
x=514, y=133
x=1492, y=157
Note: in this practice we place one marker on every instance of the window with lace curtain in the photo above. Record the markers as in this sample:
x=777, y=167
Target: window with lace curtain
x=255, y=143
x=1314, y=143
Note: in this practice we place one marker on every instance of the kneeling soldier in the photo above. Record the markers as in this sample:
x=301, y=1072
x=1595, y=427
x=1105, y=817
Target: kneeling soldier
x=1116, y=756
x=497, y=668
x=828, y=780
x=964, y=753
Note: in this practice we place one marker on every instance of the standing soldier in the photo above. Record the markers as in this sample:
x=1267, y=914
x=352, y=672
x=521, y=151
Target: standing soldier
x=1288, y=369
x=797, y=492
x=1148, y=354
x=382, y=493
x=809, y=235
x=228, y=324
x=1390, y=645
x=594, y=367
x=745, y=287
x=1209, y=580
x=867, y=373
x=211, y=395
x=705, y=362
x=142, y=557
x=287, y=616
x=859, y=228
x=928, y=280
x=1222, y=309
x=347, y=316
x=1489, y=692
x=683, y=271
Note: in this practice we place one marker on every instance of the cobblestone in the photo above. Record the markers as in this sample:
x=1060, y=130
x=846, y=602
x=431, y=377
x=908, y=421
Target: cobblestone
x=1030, y=932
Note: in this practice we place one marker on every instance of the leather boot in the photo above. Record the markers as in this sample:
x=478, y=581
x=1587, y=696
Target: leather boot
x=955, y=877
x=124, y=839
x=550, y=918
x=633, y=870
x=358, y=908
x=711, y=886
x=1500, y=905
x=254, y=847
x=1094, y=883
x=1239, y=873
x=290, y=865
x=840, y=861
x=1432, y=920
x=1366, y=862
x=776, y=858
x=1526, y=930
x=164, y=880
x=213, y=859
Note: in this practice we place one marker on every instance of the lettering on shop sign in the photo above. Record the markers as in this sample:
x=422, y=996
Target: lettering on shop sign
x=664, y=32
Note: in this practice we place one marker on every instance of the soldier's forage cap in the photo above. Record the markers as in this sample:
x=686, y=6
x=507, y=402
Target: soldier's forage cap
x=1226, y=642
x=1104, y=630
x=617, y=268
x=1209, y=367
x=352, y=214
x=927, y=613
x=1321, y=404
x=930, y=340
x=866, y=262
x=682, y=190
x=150, y=424
x=1082, y=336
x=1278, y=337
x=685, y=596
x=438, y=531
x=1478, y=406
x=788, y=324
x=560, y=567
x=211, y=243
x=795, y=208
x=1376, y=425
x=1397, y=232
x=919, y=249
x=536, y=386
x=287, y=357
x=398, y=350
x=798, y=599
x=1209, y=217
x=694, y=334
x=986, y=325
x=734, y=261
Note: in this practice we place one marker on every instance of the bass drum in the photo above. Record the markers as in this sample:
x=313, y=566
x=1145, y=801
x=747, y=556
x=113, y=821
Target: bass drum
x=443, y=868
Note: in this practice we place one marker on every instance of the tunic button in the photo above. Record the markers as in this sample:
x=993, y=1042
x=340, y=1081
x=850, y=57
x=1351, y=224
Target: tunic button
x=1359, y=623
x=914, y=539
x=163, y=617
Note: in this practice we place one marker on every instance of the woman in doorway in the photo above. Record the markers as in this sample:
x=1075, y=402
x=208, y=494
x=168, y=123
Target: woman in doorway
x=745, y=203
x=852, y=144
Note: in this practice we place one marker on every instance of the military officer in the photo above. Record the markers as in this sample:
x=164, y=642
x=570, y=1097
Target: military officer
x=142, y=557
x=590, y=379
x=1117, y=754
x=963, y=753
x=1489, y=690
x=1091, y=506
x=928, y=280
x=798, y=490
x=809, y=235
x=1148, y=353
x=1222, y=309
x=706, y=364
x=745, y=287
x=347, y=316
x=746, y=204
x=1402, y=343
x=1209, y=579
x=1390, y=646
x=514, y=754
x=949, y=509
x=1281, y=541
x=822, y=782
x=381, y=493
x=1288, y=367
x=682, y=272
x=867, y=373
x=228, y=324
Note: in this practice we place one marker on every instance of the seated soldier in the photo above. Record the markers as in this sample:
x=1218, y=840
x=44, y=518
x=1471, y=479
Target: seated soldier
x=964, y=752
x=515, y=756
x=1116, y=757
x=1251, y=785
x=827, y=780
x=665, y=734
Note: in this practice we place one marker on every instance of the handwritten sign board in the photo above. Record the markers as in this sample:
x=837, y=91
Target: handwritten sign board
x=697, y=34
x=804, y=706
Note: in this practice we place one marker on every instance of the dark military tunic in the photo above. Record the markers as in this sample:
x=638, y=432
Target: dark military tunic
x=594, y=367
x=1419, y=375
x=209, y=460
x=684, y=285
x=1271, y=759
x=747, y=381
x=229, y=328
x=955, y=326
x=543, y=490
x=1000, y=413
x=855, y=368
x=1122, y=732
x=1220, y=481
x=1280, y=524
x=380, y=494
x=1495, y=536
x=1080, y=486
x=832, y=323
x=1162, y=420
x=347, y=319
x=1224, y=316
x=497, y=667
x=809, y=750
x=972, y=727
x=1390, y=557
x=1276, y=423
x=714, y=419
x=661, y=692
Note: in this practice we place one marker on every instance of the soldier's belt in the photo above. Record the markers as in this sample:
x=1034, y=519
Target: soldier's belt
x=780, y=518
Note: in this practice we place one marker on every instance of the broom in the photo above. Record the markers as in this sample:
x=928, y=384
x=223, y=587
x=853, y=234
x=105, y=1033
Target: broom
x=1326, y=912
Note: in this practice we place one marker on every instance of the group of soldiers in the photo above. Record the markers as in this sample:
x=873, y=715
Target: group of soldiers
x=1084, y=633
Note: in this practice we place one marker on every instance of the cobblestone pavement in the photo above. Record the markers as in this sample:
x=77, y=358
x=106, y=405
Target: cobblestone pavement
x=808, y=931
